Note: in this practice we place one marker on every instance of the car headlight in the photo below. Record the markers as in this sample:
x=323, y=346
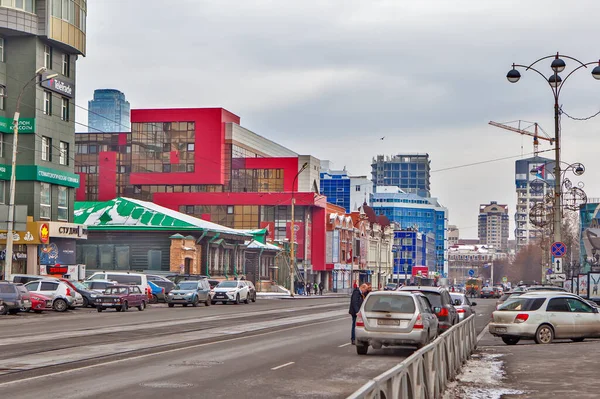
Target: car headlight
x=189, y=294
x=231, y=292
x=93, y=295
x=170, y=294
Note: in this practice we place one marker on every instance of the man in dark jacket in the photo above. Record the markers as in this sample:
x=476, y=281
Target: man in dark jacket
x=358, y=295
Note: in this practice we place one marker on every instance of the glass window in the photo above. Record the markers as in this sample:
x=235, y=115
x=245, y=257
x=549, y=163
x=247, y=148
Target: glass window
x=2, y=199
x=46, y=149
x=57, y=9
x=29, y=6
x=66, y=65
x=2, y=97
x=45, y=201
x=392, y=303
x=190, y=147
x=522, y=304
x=63, y=203
x=64, y=114
x=47, y=103
x=48, y=56
x=48, y=286
x=1, y=50
x=577, y=306
x=64, y=153
x=65, y=9
x=558, y=305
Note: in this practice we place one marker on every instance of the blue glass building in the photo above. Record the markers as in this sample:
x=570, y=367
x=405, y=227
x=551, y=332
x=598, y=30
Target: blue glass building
x=411, y=211
x=335, y=185
x=410, y=172
x=412, y=248
x=109, y=112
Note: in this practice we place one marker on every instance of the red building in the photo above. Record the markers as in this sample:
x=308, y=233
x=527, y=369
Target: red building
x=203, y=163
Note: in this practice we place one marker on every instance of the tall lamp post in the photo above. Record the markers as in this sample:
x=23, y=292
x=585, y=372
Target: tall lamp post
x=293, y=232
x=8, y=258
x=555, y=83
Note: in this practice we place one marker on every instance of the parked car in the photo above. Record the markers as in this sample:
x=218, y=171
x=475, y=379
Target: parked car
x=25, y=278
x=40, y=302
x=63, y=296
x=390, y=287
x=88, y=297
x=98, y=286
x=121, y=298
x=464, y=307
x=251, y=289
x=123, y=278
x=486, y=292
x=442, y=304
x=176, y=278
x=231, y=291
x=3, y=309
x=14, y=297
x=162, y=282
x=544, y=316
x=389, y=318
x=190, y=293
x=156, y=293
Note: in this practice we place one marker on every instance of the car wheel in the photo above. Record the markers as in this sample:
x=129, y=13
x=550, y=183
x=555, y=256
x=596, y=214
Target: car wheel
x=577, y=339
x=237, y=299
x=207, y=303
x=254, y=298
x=99, y=310
x=247, y=300
x=86, y=302
x=511, y=340
x=362, y=348
x=124, y=307
x=3, y=309
x=544, y=334
x=171, y=305
x=195, y=303
x=153, y=299
x=60, y=305
x=142, y=306
x=213, y=302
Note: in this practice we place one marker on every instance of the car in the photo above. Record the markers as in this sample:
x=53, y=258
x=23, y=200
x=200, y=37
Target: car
x=88, y=297
x=156, y=293
x=176, y=278
x=498, y=291
x=390, y=287
x=391, y=318
x=98, y=286
x=251, y=289
x=162, y=282
x=464, y=307
x=40, y=302
x=121, y=298
x=504, y=297
x=232, y=291
x=190, y=292
x=442, y=304
x=544, y=316
x=63, y=296
x=124, y=278
x=25, y=278
x=486, y=292
x=15, y=298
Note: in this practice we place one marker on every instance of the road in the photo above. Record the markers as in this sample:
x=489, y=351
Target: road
x=273, y=348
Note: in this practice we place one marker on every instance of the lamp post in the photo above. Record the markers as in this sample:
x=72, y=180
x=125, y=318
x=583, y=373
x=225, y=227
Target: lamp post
x=556, y=84
x=8, y=258
x=293, y=232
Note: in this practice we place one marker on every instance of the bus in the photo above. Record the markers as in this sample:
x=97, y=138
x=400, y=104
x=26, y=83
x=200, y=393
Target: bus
x=473, y=285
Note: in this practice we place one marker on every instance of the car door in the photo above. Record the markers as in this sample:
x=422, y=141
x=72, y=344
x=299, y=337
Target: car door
x=33, y=286
x=49, y=288
x=558, y=313
x=204, y=290
x=138, y=296
x=586, y=323
x=428, y=316
x=243, y=290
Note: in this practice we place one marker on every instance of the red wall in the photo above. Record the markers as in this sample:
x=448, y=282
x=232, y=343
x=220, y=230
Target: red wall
x=289, y=166
x=318, y=240
x=107, y=176
x=80, y=191
x=174, y=200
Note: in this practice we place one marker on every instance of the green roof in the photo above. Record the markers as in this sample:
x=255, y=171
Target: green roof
x=127, y=214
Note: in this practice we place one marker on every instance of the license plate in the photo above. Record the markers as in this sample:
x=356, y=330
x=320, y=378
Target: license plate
x=500, y=329
x=386, y=322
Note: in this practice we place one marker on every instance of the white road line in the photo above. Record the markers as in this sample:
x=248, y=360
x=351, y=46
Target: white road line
x=282, y=366
x=346, y=344
x=159, y=353
x=482, y=333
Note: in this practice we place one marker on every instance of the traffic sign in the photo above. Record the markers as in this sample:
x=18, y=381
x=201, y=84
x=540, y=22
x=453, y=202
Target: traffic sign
x=504, y=279
x=557, y=277
x=471, y=272
x=558, y=249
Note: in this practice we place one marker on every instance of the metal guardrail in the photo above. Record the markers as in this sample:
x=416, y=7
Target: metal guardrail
x=426, y=373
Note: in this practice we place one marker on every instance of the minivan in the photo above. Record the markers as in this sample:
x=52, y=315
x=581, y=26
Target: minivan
x=124, y=278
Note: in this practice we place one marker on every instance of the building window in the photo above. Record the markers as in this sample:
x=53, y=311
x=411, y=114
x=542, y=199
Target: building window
x=47, y=103
x=63, y=203
x=166, y=168
x=64, y=153
x=66, y=65
x=48, y=56
x=357, y=188
x=2, y=200
x=46, y=149
x=190, y=147
x=45, y=204
x=189, y=168
x=2, y=96
x=1, y=49
x=64, y=115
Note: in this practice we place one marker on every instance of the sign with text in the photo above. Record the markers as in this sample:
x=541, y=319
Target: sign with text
x=68, y=230
x=26, y=125
x=58, y=85
x=29, y=236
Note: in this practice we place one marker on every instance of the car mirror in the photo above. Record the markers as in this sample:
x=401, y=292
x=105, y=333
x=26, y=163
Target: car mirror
x=473, y=304
x=437, y=309
x=457, y=302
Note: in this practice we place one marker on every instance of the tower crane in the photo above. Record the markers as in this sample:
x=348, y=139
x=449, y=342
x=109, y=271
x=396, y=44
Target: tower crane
x=534, y=134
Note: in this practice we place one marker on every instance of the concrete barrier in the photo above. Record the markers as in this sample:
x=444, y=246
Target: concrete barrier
x=426, y=373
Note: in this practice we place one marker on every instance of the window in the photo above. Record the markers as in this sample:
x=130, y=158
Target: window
x=166, y=168
x=48, y=56
x=64, y=153
x=63, y=203
x=45, y=204
x=1, y=49
x=2, y=200
x=2, y=97
x=46, y=149
x=66, y=65
x=47, y=103
x=189, y=167
x=558, y=305
x=190, y=147
x=577, y=306
x=48, y=286
x=64, y=114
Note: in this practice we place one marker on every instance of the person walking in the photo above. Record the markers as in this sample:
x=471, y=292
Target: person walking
x=316, y=288
x=321, y=288
x=356, y=300
x=308, y=286
x=301, y=288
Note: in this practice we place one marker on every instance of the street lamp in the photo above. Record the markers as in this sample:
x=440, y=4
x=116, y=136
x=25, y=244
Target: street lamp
x=8, y=258
x=293, y=233
x=556, y=84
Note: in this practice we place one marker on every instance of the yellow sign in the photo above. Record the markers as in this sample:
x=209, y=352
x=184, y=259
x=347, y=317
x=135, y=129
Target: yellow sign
x=31, y=236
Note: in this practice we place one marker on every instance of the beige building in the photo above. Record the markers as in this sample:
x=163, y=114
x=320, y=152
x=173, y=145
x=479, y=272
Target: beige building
x=493, y=225
x=453, y=235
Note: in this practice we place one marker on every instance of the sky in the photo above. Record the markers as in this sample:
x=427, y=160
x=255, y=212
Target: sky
x=329, y=78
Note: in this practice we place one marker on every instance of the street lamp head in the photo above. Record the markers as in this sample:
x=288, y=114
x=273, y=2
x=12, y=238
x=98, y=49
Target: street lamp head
x=51, y=76
x=558, y=65
x=555, y=80
x=513, y=75
x=533, y=171
x=579, y=170
x=596, y=72
x=41, y=70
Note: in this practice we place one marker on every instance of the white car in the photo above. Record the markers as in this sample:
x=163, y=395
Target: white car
x=231, y=291
x=63, y=296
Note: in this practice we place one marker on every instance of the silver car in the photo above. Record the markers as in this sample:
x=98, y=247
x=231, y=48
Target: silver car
x=463, y=306
x=63, y=296
x=389, y=318
x=545, y=316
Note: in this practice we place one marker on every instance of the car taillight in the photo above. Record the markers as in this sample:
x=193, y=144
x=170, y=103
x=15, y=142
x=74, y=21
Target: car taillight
x=443, y=312
x=460, y=310
x=359, y=320
x=162, y=290
x=68, y=291
x=418, y=323
x=521, y=318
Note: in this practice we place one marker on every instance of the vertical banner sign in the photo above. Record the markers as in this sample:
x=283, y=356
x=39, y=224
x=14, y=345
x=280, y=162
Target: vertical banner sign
x=298, y=237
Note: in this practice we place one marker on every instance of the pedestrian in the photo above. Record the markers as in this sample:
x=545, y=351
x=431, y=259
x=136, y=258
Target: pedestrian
x=321, y=288
x=301, y=288
x=355, y=284
x=308, y=289
x=316, y=288
x=356, y=300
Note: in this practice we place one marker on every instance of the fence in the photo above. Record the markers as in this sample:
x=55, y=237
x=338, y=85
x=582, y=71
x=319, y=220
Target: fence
x=426, y=373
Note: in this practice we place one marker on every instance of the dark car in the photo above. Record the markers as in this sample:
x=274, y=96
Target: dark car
x=487, y=292
x=121, y=298
x=89, y=296
x=176, y=278
x=251, y=290
x=390, y=287
x=190, y=293
x=442, y=304
x=162, y=282
x=15, y=297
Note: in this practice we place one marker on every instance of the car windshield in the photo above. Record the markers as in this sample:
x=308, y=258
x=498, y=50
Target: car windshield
x=459, y=297
x=435, y=299
x=522, y=304
x=187, y=285
x=79, y=285
x=227, y=284
x=504, y=297
x=390, y=303
x=116, y=290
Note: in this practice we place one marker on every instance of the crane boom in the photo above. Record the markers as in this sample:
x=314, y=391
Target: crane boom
x=535, y=135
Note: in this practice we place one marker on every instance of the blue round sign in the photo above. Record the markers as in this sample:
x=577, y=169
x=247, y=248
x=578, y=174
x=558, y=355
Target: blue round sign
x=471, y=272
x=558, y=249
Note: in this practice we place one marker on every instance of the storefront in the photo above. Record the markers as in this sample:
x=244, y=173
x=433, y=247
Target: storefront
x=60, y=250
x=25, y=247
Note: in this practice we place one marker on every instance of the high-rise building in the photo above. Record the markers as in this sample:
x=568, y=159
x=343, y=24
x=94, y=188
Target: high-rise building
x=349, y=192
x=453, y=235
x=109, y=112
x=409, y=172
x=493, y=225
x=533, y=180
x=36, y=35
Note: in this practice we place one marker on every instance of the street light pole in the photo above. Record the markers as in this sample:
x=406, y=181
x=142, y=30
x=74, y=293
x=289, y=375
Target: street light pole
x=8, y=257
x=293, y=233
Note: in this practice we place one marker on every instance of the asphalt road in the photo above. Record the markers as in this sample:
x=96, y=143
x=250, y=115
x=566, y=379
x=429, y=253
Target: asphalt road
x=272, y=348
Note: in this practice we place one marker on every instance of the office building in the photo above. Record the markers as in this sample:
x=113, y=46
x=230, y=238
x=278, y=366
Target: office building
x=409, y=172
x=453, y=235
x=109, y=112
x=413, y=249
x=342, y=189
x=493, y=225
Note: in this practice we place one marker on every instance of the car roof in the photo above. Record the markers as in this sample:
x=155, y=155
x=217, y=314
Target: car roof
x=396, y=293
x=422, y=288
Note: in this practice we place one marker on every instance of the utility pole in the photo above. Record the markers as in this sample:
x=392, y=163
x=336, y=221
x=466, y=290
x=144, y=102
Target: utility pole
x=293, y=234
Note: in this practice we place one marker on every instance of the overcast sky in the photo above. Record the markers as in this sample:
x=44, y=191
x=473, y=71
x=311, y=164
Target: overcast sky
x=329, y=78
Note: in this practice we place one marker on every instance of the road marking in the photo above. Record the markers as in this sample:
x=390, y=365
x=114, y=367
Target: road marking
x=482, y=333
x=282, y=366
x=346, y=344
x=160, y=353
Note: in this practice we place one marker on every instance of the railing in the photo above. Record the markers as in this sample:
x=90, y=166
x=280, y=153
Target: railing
x=426, y=373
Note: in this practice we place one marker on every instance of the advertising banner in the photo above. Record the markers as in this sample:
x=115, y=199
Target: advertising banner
x=593, y=286
x=60, y=250
x=583, y=285
x=298, y=237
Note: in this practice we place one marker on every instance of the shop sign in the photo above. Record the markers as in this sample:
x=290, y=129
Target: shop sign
x=44, y=233
x=16, y=255
x=30, y=236
x=26, y=125
x=58, y=85
x=40, y=173
x=68, y=230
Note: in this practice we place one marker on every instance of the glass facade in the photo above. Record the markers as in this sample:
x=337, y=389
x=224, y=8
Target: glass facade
x=109, y=111
x=413, y=248
x=335, y=185
x=408, y=172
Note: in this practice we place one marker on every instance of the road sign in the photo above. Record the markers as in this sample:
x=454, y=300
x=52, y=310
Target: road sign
x=557, y=277
x=504, y=279
x=558, y=249
x=557, y=266
x=471, y=272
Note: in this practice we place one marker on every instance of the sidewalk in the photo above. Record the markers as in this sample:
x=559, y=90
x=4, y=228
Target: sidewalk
x=281, y=295
x=563, y=369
